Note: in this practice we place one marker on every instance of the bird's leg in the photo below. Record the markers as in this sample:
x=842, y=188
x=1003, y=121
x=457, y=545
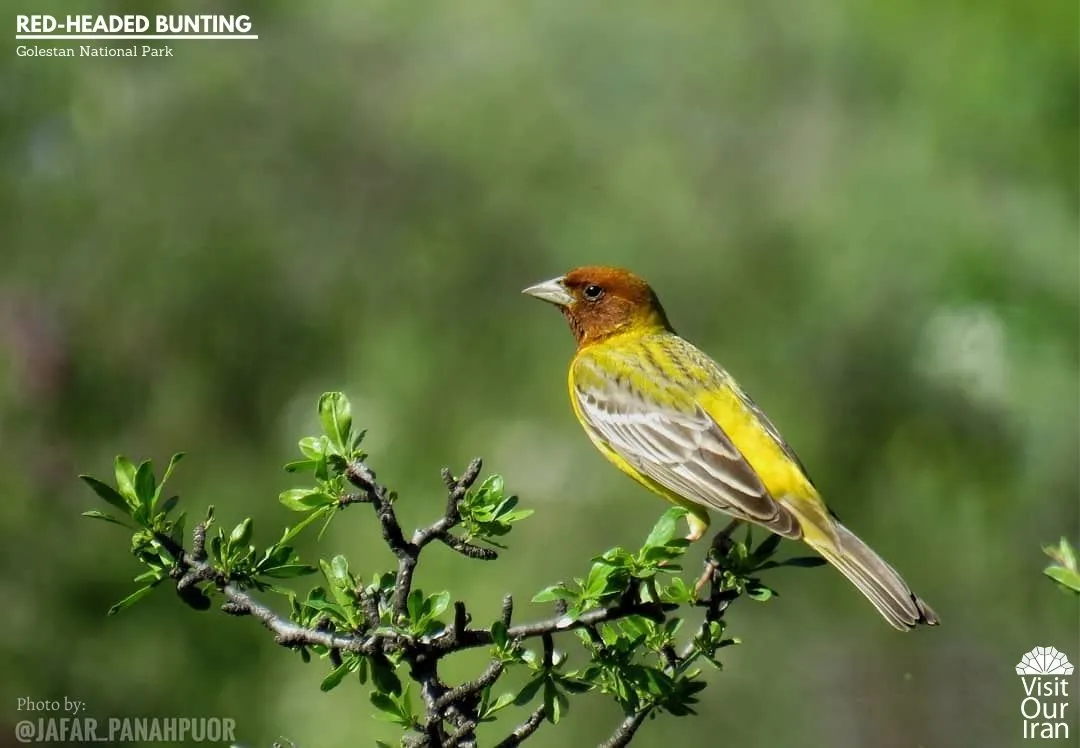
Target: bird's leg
x=720, y=544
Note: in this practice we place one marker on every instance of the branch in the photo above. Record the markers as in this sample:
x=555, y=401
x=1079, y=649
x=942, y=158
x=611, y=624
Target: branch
x=291, y=634
x=525, y=729
x=457, y=490
x=458, y=705
x=471, y=638
x=624, y=733
x=471, y=688
x=376, y=629
x=408, y=551
x=240, y=603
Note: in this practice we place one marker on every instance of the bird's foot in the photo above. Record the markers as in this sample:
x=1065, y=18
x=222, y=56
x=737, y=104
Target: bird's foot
x=721, y=544
x=711, y=567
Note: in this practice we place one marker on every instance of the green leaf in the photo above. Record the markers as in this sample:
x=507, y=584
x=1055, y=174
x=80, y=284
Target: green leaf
x=805, y=562
x=163, y=553
x=335, y=677
x=503, y=701
x=336, y=416
x=275, y=555
x=678, y=592
x=505, y=506
x=575, y=684
x=415, y=605
x=1063, y=553
x=387, y=706
x=638, y=625
x=145, y=484
x=150, y=575
x=215, y=548
x=528, y=693
x=169, y=470
x=437, y=604
x=292, y=532
x=125, y=480
x=300, y=466
x=170, y=503
x=340, y=583
x=383, y=676
x=108, y=493
x=767, y=547
x=664, y=529
x=670, y=550
x=339, y=569
x=131, y=599
x=358, y=439
x=313, y=447
x=596, y=585
x=384, y=582
x=498, y=633
x=241, y=534
x=324, y=606
x=759, y=592
x=287, y=571
x=554, y=592
x=494, y=486
x=519, y=515
x=95, y=514
x=177, y=531
x=1065, y=577
x=555, y=702
x=322, y=469
x=305, y=499
x=1067, y=553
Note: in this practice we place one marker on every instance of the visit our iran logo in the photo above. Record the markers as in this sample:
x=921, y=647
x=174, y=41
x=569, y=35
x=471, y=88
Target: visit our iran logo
x=1045, y=673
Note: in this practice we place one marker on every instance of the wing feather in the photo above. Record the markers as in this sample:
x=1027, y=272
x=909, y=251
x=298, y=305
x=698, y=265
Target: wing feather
x=674, y=442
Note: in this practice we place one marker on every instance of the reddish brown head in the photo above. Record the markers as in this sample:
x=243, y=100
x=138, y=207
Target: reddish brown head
x=599, y=302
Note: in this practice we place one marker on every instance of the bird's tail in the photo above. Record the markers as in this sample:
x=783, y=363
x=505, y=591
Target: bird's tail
x=868, y=571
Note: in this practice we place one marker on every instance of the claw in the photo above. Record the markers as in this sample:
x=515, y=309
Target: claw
x=711, y=567
x=720, y=544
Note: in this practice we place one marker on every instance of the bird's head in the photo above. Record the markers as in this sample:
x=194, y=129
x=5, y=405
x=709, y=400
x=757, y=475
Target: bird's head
x=599, y=302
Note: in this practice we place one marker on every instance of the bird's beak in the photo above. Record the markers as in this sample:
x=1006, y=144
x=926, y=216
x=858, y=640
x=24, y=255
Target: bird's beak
x=553, y=291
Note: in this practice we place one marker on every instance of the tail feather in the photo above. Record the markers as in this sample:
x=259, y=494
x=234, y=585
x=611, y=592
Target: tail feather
x=880, y=582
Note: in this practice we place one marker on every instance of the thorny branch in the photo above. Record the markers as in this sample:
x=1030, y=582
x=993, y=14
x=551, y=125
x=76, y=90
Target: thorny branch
x=451, y=712
x=624, y=733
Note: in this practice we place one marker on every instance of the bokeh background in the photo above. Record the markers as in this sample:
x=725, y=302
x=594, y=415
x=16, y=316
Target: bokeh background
x=866, y=211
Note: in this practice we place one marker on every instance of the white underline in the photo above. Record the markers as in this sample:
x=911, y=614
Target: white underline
x=93, y=37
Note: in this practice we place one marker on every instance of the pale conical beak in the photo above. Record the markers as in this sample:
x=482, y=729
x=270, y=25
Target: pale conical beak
x=552, y=291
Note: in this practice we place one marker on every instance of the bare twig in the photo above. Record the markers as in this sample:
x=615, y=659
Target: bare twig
x=524, y=730
x=471, y=688
x=482, y=637
x=624, y=733
x=408, y=551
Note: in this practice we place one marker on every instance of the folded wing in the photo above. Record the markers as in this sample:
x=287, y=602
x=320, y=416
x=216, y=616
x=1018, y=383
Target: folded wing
x=672, y=440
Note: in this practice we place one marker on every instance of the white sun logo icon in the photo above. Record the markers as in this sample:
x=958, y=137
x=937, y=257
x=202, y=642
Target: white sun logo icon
x=1044, y=661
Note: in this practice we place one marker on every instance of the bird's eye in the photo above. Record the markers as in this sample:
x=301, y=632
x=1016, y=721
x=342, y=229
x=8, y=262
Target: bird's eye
x=593, y=292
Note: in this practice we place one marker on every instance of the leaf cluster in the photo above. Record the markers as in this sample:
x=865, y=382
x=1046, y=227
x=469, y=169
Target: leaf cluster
x=1064, y=569
x=630, y=613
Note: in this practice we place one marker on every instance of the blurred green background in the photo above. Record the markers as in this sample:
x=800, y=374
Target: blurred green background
x=866, y=211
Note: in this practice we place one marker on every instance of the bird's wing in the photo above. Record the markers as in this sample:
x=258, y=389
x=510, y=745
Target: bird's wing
x=674, y=442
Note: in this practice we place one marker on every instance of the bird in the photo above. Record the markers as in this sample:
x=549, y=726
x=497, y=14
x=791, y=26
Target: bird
x=666, y=414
